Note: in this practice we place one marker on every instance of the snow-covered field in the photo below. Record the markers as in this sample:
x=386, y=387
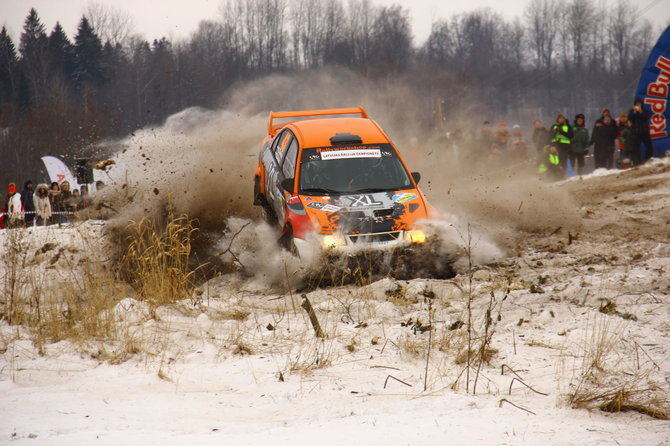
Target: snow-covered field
x=573, y=312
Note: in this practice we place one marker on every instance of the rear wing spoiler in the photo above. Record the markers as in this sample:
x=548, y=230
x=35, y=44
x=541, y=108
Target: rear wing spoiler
x=272, y=128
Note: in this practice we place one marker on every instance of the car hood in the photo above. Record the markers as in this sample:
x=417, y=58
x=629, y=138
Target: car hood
x=362, y=213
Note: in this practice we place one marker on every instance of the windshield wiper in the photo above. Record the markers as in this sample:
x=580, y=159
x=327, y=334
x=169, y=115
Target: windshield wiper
x=372, y=190
x=321, y=190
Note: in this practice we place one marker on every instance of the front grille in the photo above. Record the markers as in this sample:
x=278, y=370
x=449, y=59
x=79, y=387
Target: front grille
x=374, y=238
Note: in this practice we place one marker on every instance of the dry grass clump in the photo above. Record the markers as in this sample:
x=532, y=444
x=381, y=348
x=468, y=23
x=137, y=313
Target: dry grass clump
x=80, y=309
x=416, y=346
x=614, y=376
x=56, y=297
x=157, y=260
x=478, y=356
x=626, y=397
x=311, y=360
x=16, y=280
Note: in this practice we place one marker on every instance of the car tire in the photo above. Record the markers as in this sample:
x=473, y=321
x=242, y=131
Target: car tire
x=267, y=213
x=286, y=241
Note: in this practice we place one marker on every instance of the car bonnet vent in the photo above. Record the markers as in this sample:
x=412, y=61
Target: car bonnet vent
x=345, y=138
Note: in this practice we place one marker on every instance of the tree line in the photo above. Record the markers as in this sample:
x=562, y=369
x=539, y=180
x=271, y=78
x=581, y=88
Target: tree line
x=60, y=96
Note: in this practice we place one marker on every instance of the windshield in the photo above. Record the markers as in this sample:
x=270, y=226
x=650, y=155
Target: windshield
x=351, y=169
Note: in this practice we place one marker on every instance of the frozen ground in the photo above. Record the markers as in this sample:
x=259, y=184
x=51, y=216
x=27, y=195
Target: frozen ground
x=573, y=311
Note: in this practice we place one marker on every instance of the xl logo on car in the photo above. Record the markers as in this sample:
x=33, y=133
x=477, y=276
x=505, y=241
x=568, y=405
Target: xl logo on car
x=356, y=201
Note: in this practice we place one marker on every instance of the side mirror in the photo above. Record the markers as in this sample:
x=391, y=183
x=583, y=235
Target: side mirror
x=287, y=184
x=416, y=176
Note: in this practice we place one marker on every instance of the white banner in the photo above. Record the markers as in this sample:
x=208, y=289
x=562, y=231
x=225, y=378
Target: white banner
x=354, y=153
x=59, y=172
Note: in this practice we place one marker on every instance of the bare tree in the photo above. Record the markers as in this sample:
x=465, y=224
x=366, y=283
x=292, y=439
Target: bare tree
x=439, y=47
x=579, y=21
x=318, y=30
x=112, y=24
x=362, y=16
x=542, y=31
x=265, y=33
x=308, y=31
x=622, y=28
x=392, y=38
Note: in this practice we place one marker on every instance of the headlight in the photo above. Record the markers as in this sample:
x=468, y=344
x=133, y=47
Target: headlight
x=333, y=241
x=415, y=236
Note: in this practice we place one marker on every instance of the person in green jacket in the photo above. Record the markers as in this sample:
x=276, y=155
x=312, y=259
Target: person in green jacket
x=580, y=144
x=561, y=133
x=626, y=137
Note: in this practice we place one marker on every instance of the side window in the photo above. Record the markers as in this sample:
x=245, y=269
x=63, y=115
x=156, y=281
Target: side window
x=280, y=144
x=288, y=166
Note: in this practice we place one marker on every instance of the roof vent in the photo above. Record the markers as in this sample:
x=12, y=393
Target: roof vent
x=345, y=138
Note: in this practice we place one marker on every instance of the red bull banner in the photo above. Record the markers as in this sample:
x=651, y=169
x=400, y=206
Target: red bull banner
x=653, y=89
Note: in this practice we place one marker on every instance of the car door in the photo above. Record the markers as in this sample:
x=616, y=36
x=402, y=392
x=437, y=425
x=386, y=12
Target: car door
x=283, y=144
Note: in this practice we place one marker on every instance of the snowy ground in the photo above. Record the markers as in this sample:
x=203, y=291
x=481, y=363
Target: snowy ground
x=583, y=311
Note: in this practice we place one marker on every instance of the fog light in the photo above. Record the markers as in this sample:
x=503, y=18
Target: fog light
x=415, y=236
x=332, y=241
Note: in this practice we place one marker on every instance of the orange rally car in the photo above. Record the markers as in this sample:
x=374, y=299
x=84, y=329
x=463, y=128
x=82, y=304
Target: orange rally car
x=337, y=174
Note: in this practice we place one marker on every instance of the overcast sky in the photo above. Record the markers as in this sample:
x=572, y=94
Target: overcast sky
x=178, y=18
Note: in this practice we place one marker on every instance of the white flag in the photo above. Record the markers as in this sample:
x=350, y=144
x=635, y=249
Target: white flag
x=59, y=172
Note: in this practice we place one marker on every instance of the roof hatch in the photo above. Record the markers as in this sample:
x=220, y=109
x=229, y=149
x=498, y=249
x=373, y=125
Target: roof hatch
x=345, y=138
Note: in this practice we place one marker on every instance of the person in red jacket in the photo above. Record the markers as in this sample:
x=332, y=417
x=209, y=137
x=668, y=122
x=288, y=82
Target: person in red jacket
x=13, y=208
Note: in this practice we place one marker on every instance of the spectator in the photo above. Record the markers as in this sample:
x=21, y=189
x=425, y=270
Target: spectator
x=518, y=144
x=639, y=119
x=627, y=153
x=561, y=136
x=550, y=165
x=27, y=202
x=76, y=200
x=42, y=205
x=602, y=139
x=67, y=201
x=623, y=120
x=501, y=137
x=85, y=199
x=3, y=211
x=14, y=208
x=540, y=137
x=580, y=143
x=485, y=138
x=56, y=200
x=622, y=125
x=605, y=112
x=495, y=154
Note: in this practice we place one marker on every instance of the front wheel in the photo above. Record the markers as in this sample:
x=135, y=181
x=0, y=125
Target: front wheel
x=287, y=241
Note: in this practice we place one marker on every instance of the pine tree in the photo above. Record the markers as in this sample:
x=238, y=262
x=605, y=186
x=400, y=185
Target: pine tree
x=8, y=68
x=61, y=52
x=89, y=62
x=33, y=36
x=34, y=59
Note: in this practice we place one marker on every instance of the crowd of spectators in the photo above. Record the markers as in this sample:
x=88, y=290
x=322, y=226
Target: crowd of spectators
x=44, y=205
x=620, y=142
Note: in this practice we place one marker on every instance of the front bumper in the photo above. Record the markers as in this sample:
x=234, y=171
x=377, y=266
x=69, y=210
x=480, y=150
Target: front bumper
x=351, y=243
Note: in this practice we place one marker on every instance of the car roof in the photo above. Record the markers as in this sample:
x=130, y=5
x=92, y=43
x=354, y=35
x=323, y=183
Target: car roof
x=317, y=132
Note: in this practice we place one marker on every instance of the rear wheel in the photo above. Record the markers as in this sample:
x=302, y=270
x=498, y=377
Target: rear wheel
x=267, y=213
